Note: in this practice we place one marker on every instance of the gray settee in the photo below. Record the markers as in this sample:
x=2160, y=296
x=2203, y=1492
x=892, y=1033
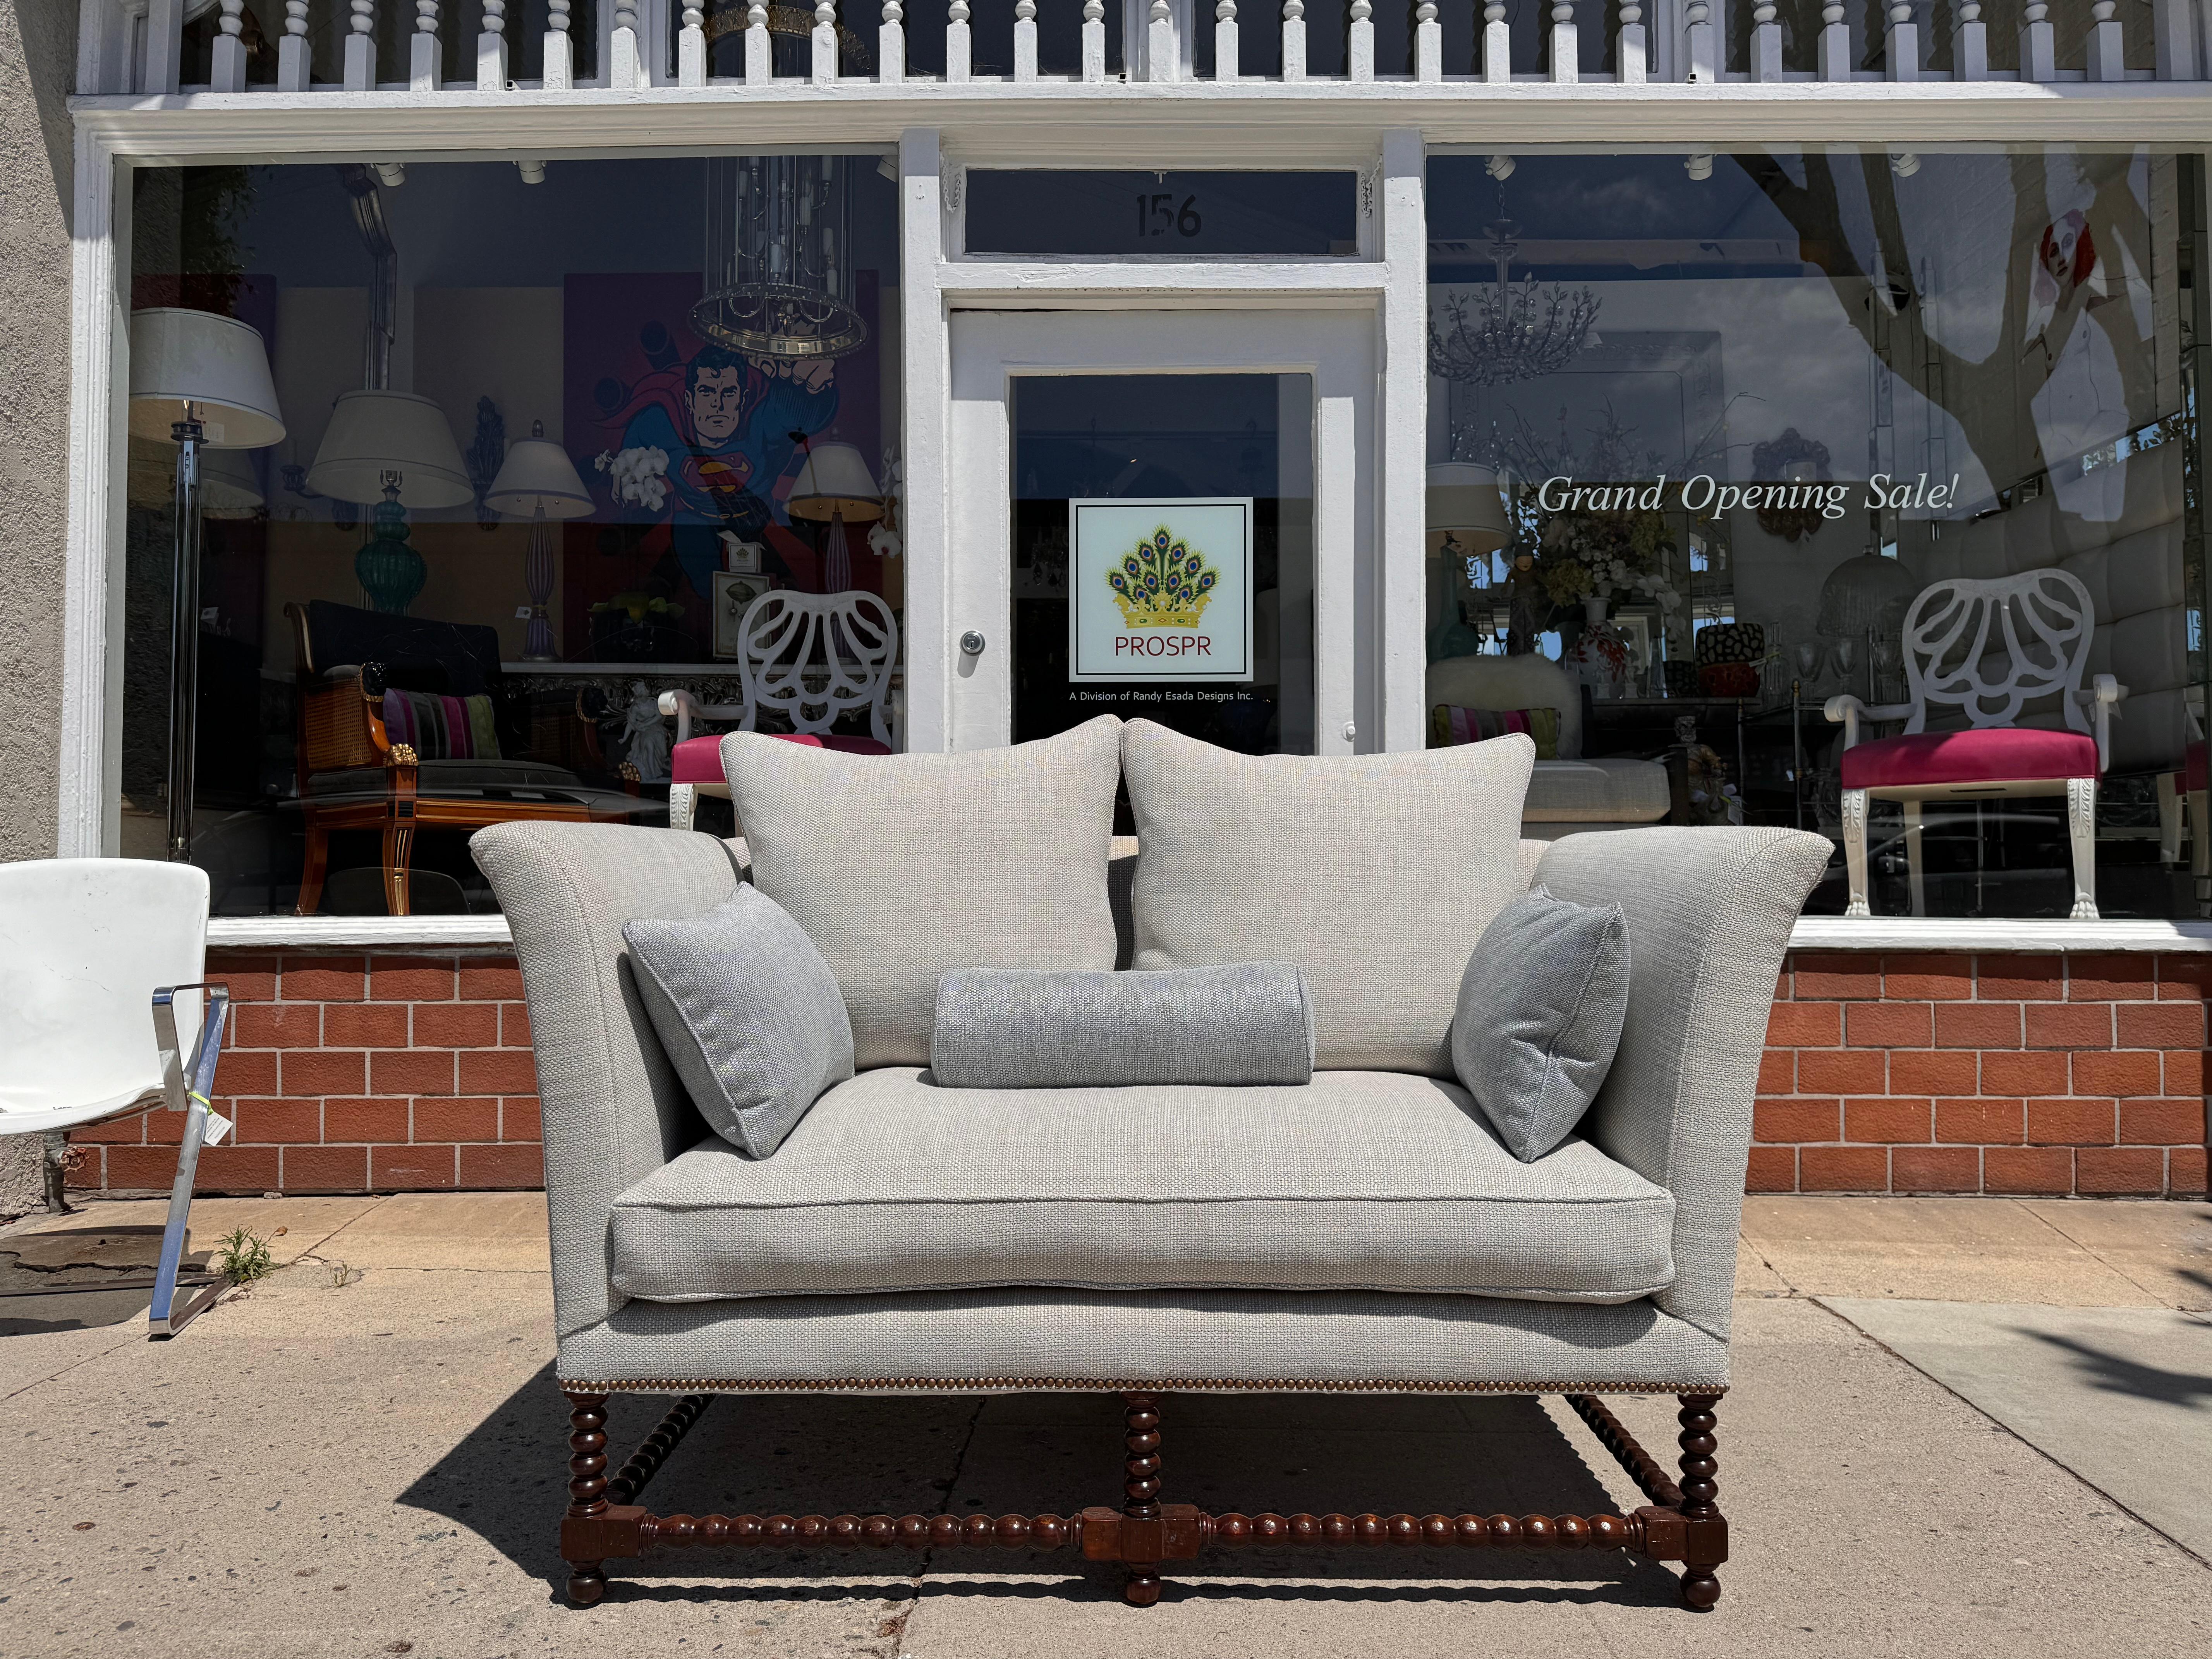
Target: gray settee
x=1365, y=1231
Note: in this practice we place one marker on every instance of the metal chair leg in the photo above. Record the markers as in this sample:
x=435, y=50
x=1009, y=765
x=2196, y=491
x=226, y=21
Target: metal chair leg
x=1916, y=873
x=196, y=1084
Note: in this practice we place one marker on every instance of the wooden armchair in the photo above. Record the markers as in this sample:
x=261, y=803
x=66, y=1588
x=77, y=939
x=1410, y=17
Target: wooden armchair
x=356, y=772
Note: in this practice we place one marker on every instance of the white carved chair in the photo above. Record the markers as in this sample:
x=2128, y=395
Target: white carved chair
x=812, y=656
x=2032, y=633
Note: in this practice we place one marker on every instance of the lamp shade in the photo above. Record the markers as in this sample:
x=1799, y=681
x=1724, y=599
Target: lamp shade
x=374, y=433
x=217, y=365
x=538, y=480
x=835, y=480
x=1463, y=499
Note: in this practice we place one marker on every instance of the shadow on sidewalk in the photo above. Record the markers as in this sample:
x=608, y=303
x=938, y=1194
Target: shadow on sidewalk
x=826, y=1455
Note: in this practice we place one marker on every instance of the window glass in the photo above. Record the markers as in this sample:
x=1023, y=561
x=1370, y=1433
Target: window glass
x=1710, y=437
x=547, y=432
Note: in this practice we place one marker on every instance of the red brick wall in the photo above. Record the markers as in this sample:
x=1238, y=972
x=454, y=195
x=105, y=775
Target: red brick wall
x=2016, y=1074
x=352, y=1073
x=1928, y=1073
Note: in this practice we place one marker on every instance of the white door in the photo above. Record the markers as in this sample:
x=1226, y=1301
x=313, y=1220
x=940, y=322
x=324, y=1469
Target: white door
x=1067, y=427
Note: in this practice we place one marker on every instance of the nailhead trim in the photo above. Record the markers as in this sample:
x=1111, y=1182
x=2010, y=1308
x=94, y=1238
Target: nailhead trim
x=1104, y=1385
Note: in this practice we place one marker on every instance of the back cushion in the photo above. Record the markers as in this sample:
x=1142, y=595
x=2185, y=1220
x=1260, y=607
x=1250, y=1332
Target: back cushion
x=1374, y=873
x=442, y=728
x=900, y=867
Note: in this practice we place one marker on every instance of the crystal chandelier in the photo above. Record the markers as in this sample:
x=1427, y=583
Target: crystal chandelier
x=1512, y=333
x=779, y=265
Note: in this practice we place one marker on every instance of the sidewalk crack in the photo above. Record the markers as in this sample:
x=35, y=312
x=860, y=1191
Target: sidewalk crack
x=892, y=1630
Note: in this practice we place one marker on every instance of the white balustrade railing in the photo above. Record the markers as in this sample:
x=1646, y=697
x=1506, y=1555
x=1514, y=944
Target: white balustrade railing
x=652, y=41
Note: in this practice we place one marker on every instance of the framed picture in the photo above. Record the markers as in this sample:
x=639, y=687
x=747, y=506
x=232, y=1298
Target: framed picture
x=734, y=593
x=740, y=556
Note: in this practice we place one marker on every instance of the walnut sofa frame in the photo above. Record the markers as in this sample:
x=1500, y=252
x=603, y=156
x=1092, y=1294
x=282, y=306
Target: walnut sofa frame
x=605, y=1522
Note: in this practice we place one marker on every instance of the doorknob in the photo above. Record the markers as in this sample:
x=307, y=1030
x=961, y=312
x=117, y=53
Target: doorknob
x=971, y=643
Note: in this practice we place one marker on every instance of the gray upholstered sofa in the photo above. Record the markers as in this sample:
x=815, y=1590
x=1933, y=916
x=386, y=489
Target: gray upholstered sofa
x=1365, y=1231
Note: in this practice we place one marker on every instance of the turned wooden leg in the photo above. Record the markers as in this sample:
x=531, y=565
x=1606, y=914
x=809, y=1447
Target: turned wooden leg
x=587, y=1485
x=1141, y=1488
x=1701, y=1588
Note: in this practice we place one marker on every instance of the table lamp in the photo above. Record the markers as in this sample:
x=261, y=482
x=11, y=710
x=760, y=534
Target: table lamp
x=392, y=450
x=834, y=484
x=202, y=381
x=538, y=482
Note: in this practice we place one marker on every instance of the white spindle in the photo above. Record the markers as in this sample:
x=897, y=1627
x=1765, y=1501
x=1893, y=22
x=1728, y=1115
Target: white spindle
x=760, y=67
x=560, y=66
x=165, y=45
x=2038, y=46
x=1224, y=40
x=227, y=61
x=1359, y=52
x=825, y=43
x=425, y=64
x=1766, y=43
x=691, y=46
x=890, y=45
x=2174, y=40
x=626, y=72
x=491, y=48
x=1699, y=165
x=2108, y=56
x=1294, y=39
x=1094, y=39
x=1696, y=27
x=292, y=50
x=1025, y=40
x=1428, y=43
x=1835, y=43
x=1566, y=63
x=1630, y=61
x=1901, y=43
x=360, y=47
x=1497, y=43
x=1970, y=44
x=1163, y=62
x=959, y=46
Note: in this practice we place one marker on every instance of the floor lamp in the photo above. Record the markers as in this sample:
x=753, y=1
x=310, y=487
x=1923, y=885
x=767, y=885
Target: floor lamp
x=202, y=382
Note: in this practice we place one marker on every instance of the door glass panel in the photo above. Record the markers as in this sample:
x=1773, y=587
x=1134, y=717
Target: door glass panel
x=1163, y=548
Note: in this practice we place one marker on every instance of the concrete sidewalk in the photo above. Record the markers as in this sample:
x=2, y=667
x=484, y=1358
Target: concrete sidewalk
x=369, y=1460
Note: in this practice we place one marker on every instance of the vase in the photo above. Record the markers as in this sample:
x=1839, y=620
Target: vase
x=1600, y=657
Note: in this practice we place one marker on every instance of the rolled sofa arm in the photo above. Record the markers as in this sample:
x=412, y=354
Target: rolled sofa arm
x=613, y=1109
x=1709, y=912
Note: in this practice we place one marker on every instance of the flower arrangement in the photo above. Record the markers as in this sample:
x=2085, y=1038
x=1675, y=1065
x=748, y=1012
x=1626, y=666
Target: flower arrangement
x=638, y=476
x=1593, y=555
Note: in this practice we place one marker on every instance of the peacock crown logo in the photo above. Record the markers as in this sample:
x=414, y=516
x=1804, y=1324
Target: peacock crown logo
x=1164, y=583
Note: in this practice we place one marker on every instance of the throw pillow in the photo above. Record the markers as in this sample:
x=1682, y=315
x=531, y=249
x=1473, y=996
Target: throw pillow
x=1541, y=1009
x=748, y=1013
x=441, y=727
x=1449, y=725
x=902, y=867
x=1242, y=1024
x=1370, y=873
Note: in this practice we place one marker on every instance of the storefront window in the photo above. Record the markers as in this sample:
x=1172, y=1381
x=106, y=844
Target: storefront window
x=548, y=431
x=1710, y=437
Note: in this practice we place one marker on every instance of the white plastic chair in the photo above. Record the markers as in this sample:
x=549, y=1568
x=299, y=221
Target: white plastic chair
x=814, y=656
x=1985, y=649
x=104, y=1012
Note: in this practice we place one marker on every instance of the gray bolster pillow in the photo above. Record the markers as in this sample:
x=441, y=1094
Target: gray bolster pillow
x=1008, y=1028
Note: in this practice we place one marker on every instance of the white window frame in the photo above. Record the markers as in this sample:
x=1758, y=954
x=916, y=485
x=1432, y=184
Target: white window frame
x=1384, y=130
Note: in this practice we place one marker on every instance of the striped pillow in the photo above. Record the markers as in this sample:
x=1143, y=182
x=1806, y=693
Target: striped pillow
x=441, y=728
x=1449, y=725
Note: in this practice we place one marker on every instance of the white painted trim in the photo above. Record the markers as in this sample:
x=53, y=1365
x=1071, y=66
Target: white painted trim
x=1401, y=608
x=1812, y=934
x=926, y=371
x=99, y=354
x=1240, y=123
x=1996, y=934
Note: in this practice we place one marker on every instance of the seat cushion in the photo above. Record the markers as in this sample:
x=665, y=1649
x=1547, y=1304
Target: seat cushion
x=1997, y=753
x=699, y=760
x=1374, y=873
x=1379, y=1181
x=1597, y=792
x=900, y=867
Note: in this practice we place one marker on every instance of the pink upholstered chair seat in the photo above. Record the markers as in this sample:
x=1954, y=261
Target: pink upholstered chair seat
x=699, y=760
x=1993, y=754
